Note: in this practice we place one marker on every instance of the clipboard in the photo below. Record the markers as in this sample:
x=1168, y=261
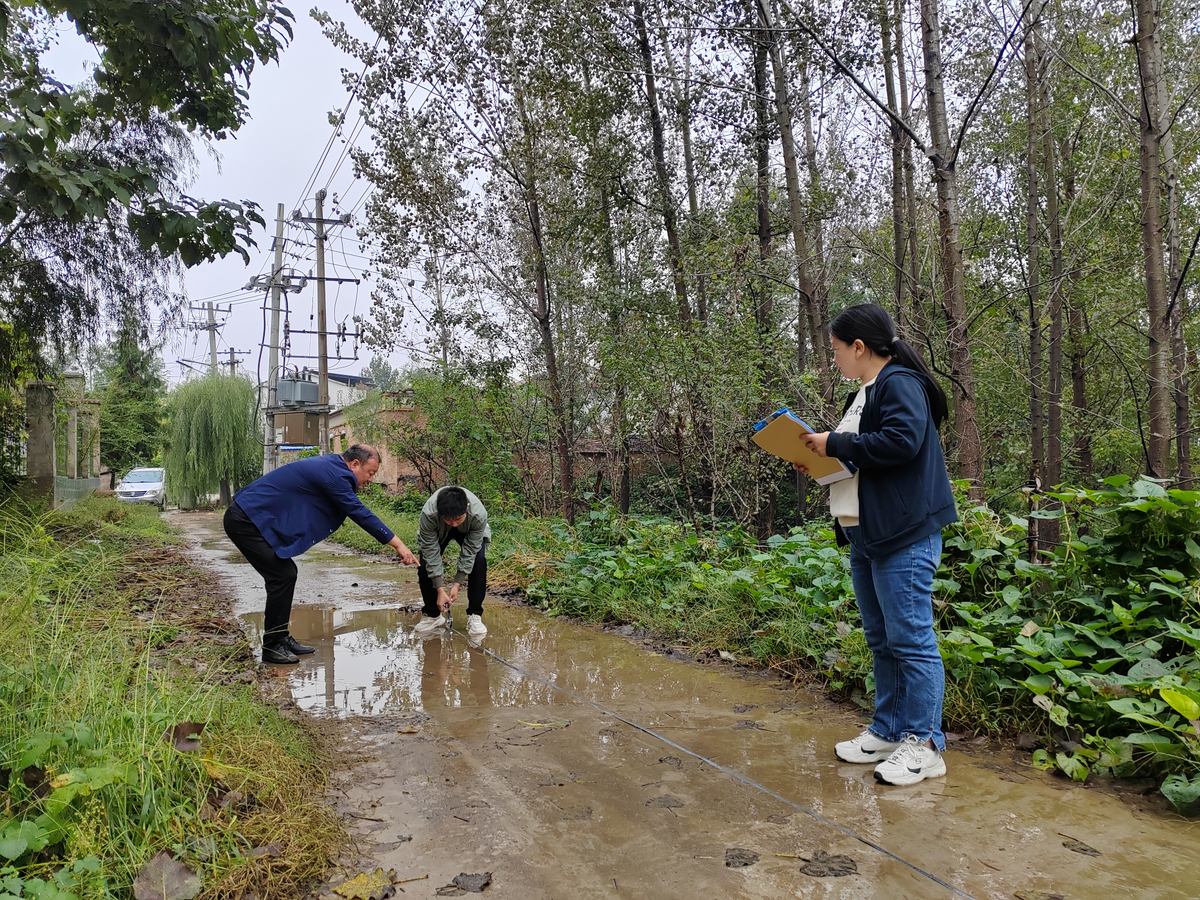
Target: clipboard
x=782, y=434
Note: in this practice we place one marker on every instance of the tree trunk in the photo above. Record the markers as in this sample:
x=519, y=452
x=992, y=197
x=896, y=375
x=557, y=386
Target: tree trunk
x=899, y=237
x=762, y=148
x=814, y=215
x=916, y=294
x=543, y=316
x=805, y=284
x=1076, y=325
x=954, y=302
x=674, y=253
x=683, y=101
x=620, y=427
x=1049, y=528
x=1033, y=264
x=766, y=474
x=562, y=425
x=1176, y=298
x=1149, y=57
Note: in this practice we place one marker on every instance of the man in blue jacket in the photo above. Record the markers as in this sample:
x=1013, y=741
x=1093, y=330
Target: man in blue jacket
x=286, y=512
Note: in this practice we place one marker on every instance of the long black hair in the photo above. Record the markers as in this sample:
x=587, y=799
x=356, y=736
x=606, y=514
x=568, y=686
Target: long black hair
x=873, y=326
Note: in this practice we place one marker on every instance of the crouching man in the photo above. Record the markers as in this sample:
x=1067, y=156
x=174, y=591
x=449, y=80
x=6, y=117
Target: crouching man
x=452, y=514
x=286, y=512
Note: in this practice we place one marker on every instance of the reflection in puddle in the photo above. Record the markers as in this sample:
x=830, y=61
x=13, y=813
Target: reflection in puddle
x=367, y=662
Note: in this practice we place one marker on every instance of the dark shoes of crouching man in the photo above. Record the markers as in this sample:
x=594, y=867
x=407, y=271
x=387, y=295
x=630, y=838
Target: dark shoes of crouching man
x=284, y=650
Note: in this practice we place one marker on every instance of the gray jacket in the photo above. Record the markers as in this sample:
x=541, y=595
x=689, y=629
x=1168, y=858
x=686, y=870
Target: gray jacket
x=433, y=533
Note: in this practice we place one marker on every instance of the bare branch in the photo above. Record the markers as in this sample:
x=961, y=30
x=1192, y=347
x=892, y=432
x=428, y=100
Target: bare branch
x=973, y=108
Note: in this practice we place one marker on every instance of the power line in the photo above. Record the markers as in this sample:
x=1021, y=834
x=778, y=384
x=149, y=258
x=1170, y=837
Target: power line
x=312, y=179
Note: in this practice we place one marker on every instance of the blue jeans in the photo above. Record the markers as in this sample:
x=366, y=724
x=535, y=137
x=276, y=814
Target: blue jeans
x=895, y=598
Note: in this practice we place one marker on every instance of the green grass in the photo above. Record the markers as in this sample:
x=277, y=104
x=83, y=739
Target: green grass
x=98, y=660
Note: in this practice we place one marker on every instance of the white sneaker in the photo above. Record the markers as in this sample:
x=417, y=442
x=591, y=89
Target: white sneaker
x=913, y=761
x=866, y=748
x=429, y=625
x=475, y=627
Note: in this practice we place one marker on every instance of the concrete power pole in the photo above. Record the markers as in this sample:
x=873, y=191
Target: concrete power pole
x=270, y=448
x=322, y=343
x=212, y=339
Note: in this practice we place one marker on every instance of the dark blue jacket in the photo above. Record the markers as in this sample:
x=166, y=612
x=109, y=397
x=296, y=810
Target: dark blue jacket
x=904, y=492
x=305, y=502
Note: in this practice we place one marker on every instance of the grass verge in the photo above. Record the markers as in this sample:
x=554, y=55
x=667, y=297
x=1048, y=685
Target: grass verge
x=112, y=638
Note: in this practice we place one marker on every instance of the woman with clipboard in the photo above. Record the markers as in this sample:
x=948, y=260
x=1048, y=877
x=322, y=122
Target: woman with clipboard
x=892, y=513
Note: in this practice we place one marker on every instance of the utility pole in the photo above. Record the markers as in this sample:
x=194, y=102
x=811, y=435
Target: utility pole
x=322, y=343
x=270, y=448
x=232, y=363
x=212, y=339
x=318, y=225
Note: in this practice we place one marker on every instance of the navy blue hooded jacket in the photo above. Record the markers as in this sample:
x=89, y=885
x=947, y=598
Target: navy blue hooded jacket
x=904, y=492
x=306, y=501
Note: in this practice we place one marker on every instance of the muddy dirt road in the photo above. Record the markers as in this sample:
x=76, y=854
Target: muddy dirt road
x=478, y=766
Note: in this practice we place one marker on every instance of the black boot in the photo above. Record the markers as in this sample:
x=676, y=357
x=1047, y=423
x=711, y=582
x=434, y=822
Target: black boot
x=278, y=653
x=296, y=647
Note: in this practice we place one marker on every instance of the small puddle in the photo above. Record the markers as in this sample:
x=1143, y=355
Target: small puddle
x=369, y=662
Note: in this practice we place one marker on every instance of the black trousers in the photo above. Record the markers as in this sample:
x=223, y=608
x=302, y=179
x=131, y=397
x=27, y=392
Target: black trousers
x=278, y=574
x=476, y=582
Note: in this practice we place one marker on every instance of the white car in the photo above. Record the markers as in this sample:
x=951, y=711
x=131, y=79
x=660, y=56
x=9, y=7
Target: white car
x=143, y=486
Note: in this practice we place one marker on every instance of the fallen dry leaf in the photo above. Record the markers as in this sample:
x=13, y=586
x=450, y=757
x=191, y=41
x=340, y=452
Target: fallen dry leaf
x=726, y=655
x=377, y=885
x=473, y=884
x=1076, y=846
x=215, y=770
x=737, y=857
x=409, y=729
x=827, y=865
x=1037, y=895
x=165, y=878
x=1030, y=629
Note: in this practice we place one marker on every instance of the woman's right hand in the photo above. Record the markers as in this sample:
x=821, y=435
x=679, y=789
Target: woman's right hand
x=800, y=467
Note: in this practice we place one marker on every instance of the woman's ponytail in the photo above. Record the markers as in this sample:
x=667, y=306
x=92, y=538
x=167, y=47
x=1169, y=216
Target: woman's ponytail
x=872, y=325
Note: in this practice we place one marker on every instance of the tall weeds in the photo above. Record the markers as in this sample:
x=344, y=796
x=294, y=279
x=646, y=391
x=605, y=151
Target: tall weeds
x=93, y=673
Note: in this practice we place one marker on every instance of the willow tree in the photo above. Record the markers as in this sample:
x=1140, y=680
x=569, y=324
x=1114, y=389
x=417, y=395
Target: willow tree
x=212, y=444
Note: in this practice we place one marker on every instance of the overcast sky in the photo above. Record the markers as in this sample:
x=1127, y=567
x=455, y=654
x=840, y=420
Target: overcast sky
x=269, y=161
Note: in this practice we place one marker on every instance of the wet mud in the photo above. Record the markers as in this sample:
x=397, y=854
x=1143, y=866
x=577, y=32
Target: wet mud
x=479, y=766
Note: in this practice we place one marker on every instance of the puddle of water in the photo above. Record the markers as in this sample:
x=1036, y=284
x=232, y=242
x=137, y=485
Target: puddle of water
x=368, y=662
